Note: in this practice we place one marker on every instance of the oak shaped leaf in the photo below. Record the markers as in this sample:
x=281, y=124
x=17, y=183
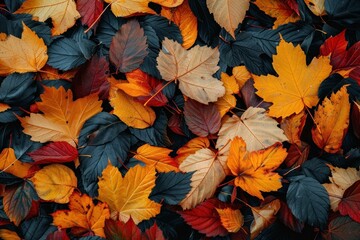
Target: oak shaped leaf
x=331, y=121
x=254, y=170
x=247, y=127
x=231, y=219
x=62, y=13
x=10, y=164
x=128, y=47
x=157, y=157
x=350, y=202
x=90, y=218
x=55, y=183
x=129, y=196
x=54, y=152
x=62, y=118
x=228, y=13
x=193, y=70
x=25, y=54
x=205, y=219
x=291, y=92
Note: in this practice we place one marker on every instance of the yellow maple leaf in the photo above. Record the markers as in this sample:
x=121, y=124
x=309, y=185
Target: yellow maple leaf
x=25, y=54
x=89, y=217
x=63, y=13
x=228, y=13
x=185, y=19
x=332, y=121
x=10, y=164
x=132, y=113
x=231, y=219
x=157, y=157
x=55, y=183
x=193, y=69
x=297, y=85
x=129, y=196
x=254, y=170
x=62, y=118
x=278, y=9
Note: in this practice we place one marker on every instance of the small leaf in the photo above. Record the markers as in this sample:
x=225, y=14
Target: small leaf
x=231, y=219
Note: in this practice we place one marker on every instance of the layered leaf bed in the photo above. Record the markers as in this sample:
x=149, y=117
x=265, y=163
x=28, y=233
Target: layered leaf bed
x=185, y=119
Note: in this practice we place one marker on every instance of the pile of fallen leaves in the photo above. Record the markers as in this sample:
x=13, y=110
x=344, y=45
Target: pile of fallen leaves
x=179, y=119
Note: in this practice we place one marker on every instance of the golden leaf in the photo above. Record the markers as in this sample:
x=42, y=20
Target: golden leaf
x=228, y=13
x=293, y=127
x=55, y=183
x=191, y=147
x=63, y=13
x=291, y=92
x=10, y=164
x=193, y=69
x=332, y=121
x=231, y=219
x=241, y=75
x=228, y=101
x=25, y=54
x=129, y=196
x=254, y=170
x=6, y=234
x=62, y=118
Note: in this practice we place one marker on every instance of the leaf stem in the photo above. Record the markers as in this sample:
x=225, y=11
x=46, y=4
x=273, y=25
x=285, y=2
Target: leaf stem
x=97, y=19
x=158, y=91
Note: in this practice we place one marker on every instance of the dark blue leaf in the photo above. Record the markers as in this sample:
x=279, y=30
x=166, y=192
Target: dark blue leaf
x=316, y=168
x=13, y=5
x=37, y=228
x=333, y=83
x=22, y=145
x=108, y=26
x=18, y=89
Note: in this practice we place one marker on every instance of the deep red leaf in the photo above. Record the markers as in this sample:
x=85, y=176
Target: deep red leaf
x=55, y=152
x=115, y=230
x=58, y=235
x=250, y=98
x=350, y=203
x=297, y=155
x=293, y=5
x=92, y=78
x=205, y=218
x=203, y=120
x=154, y=232
x=342, y=59
x=175, y=124
x=89, y=10
x=128, y=47
x=289, y=219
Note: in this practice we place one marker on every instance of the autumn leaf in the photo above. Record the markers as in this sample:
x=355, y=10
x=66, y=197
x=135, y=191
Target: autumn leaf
x=90, y=218
x=25, y=54
x=293, y=126
x=254, y=170
x=129, y=196
x=193, y=69
x=89, y=10
x=185, y=19
x=132, y=113
x=62, y=118
x=8, y=235
x=191, y=147
x=10, y=164
x=316, y=6
x=157, y=157
x=350, y=203
x=231, y=219
x=278, y=9
x=228, y=13
x=63, y=13
x=4, y=107
x=247, y=127
x=291, y=92
x=55, y=183
x=228, y=101
x=331, y=121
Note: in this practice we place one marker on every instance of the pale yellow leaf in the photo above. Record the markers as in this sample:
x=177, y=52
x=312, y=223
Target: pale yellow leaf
x=316, y=6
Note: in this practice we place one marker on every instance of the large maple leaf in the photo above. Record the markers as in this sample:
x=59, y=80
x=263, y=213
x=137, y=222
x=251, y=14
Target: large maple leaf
x=63, y=13
x=89, y=217
x=254, y=170
x=129, y=196
x=62, y=118
x=297, y=85
x=193, y=70
x=25, y=54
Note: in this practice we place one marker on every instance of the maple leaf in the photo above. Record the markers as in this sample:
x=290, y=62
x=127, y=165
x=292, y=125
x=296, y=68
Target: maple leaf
x=129, y=196
x=89, y=217
x=209, y=171
x=132, y=113
x=228, y=13
x=291, y=92
x=231, y=219
x=157, y=157
x=55, y=183
x=278, y=9
x=62, y=118
x=25, y=54
x=254, y=170
x=185, y=19
x=63, y=13
x=193, y=69
x=247, y=127
x=331, y=121
x=10, y=164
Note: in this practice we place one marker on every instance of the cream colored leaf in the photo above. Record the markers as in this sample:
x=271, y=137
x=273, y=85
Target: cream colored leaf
x=228, y=13
x=335, y=195
x=193, y=69
x=316, y=6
